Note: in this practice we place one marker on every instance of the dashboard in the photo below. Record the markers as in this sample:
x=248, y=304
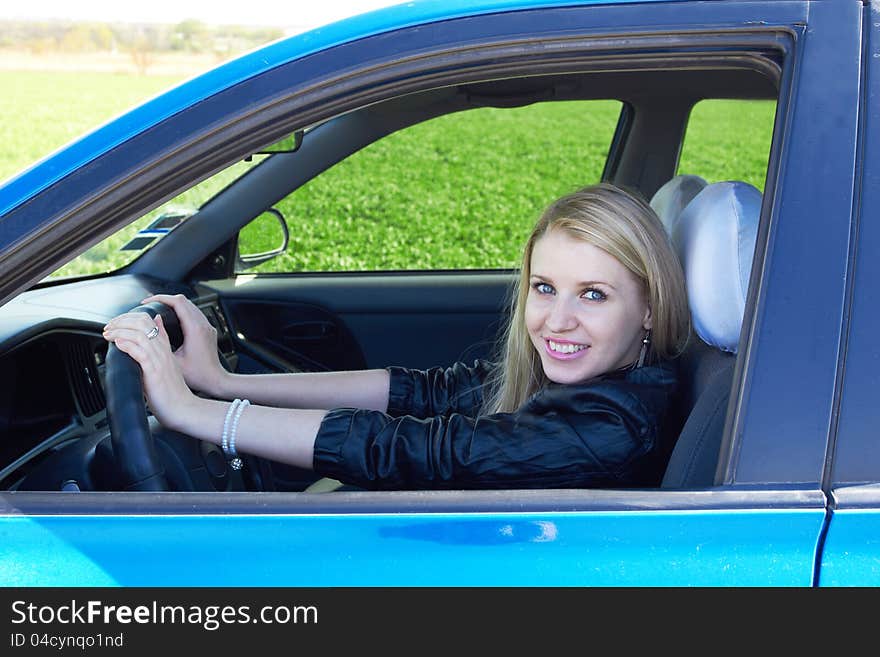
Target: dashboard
x=54, y=430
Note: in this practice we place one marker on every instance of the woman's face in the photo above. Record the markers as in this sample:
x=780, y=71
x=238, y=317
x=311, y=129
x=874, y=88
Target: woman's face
x=585, y=313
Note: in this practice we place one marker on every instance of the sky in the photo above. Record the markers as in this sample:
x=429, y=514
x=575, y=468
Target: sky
x=289, y=14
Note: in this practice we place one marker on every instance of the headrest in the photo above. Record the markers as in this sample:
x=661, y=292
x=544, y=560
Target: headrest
x=673, y=197
x=716, y=233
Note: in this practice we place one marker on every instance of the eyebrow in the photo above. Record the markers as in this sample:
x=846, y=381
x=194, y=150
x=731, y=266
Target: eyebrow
x=581, y=284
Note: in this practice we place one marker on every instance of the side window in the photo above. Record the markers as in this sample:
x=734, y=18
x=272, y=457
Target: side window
x=459, y=191
x=729, y=140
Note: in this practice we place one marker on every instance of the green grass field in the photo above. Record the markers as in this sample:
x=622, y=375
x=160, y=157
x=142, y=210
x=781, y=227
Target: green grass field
x=461, y=191
x=43, y=110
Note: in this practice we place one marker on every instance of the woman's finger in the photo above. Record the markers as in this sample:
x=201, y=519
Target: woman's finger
x=138, y=330
x=131, y=320
x=135, y=350
x=148, y=332
x=163, y=333
x=190, y=317
x=182, y=306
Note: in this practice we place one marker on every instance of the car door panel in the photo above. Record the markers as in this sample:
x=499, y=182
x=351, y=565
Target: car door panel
x=294, y=336
x=369, y=321
x=607, y=538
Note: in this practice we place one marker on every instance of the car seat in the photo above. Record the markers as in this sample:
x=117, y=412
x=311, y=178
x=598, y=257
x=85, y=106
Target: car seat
x=673, y=197
x=715, y=235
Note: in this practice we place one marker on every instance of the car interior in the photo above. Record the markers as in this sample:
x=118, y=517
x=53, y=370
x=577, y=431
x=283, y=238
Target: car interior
x=57, y=380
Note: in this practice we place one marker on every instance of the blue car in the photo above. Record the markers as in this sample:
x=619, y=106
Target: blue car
x=260, y=189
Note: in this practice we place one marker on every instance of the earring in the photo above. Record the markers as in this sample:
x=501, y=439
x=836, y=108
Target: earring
x=643, y=352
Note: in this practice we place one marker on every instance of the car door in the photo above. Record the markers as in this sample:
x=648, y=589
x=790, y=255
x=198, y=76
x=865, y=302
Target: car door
x=760, y=524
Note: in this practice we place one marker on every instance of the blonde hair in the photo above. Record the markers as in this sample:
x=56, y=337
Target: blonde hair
x=625, y=227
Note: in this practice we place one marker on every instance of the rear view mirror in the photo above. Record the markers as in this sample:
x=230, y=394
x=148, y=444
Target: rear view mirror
x=289, y=144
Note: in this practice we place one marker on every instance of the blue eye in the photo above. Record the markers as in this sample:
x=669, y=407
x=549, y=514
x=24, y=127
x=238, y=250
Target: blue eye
x=543, y=288
x=594, y=295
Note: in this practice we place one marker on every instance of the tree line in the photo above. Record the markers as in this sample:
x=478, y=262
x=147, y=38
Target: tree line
x=189, y=36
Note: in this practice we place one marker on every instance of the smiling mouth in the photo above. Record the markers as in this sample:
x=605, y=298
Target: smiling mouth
x=564, y=350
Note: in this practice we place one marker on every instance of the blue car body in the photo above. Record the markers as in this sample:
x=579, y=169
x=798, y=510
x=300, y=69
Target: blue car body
x=794, y=502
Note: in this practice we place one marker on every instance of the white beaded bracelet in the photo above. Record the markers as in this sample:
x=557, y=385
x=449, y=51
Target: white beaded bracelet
x=236, y=463
x=224, y=438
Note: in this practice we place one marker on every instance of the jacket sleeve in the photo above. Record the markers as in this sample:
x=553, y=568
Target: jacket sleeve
x=603, y=438
x=437, y=391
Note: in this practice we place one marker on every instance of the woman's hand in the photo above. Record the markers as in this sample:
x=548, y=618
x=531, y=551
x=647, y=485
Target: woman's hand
x=280, y=434
x=147, y=342
x=197, y=357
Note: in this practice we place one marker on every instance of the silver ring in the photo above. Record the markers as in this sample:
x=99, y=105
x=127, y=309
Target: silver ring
x=153, y=332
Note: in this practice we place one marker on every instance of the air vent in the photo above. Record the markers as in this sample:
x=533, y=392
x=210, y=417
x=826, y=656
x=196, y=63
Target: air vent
x=84, y=377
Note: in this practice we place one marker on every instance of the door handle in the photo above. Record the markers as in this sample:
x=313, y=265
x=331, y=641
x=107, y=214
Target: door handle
x=315, y=330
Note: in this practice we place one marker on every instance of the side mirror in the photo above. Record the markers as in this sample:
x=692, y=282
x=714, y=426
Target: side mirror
x=262, y=239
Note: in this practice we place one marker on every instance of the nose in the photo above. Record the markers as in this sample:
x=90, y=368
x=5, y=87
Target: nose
x=561, y=317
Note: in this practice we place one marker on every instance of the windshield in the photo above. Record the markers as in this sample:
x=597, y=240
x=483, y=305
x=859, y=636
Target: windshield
x=127, y=244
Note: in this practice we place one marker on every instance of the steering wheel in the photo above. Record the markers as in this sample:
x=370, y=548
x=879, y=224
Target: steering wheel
x=134, y=449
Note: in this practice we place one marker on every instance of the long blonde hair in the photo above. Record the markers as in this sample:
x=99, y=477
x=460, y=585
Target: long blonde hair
x=625, y=227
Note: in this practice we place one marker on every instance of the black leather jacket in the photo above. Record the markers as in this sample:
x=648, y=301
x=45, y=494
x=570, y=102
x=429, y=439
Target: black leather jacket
x=602, y=433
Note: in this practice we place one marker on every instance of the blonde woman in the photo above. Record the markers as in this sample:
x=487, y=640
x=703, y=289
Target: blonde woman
x=577, y=399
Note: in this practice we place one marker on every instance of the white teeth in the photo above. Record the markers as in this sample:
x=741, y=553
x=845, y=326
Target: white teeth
x=565, y=348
